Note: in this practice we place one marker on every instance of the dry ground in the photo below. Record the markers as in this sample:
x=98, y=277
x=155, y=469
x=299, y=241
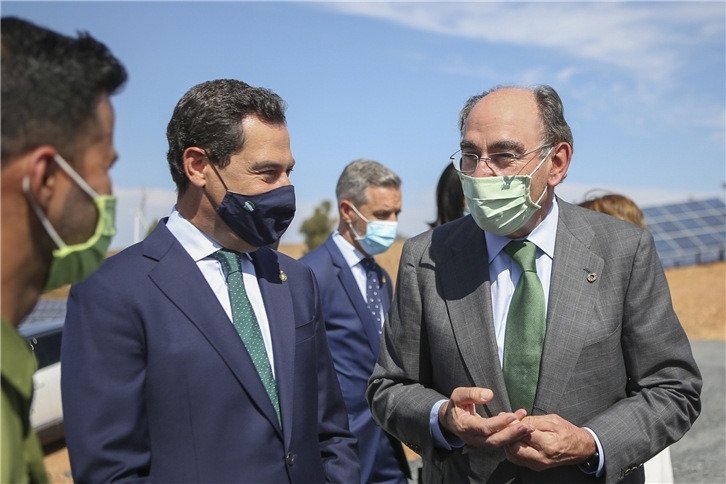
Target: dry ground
x=699, y=299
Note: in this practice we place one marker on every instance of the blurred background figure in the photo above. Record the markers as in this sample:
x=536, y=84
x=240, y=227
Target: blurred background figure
x=618, y=206
x=356, y=294
x=450, y=203
x=659, y=469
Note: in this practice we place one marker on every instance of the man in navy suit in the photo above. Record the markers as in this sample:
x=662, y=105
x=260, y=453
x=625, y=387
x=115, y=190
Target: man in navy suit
x=356, y=294
x=162, y=381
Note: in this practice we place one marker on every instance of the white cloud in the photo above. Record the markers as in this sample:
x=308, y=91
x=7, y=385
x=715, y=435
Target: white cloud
x=651, y=39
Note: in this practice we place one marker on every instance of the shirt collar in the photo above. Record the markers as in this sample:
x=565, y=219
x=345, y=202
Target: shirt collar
x=351, y=255
x=18, y=362
x=198, y=244
x=543, y=235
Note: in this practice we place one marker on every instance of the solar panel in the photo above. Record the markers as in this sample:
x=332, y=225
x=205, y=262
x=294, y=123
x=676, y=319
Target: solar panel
x=688, y=233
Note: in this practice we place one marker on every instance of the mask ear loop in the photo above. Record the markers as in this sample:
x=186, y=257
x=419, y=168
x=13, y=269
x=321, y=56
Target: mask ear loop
x=217, y=172
x=350, y=226
x=75, y=176
x=41, y=216
x=206, y=193
x=535, y=171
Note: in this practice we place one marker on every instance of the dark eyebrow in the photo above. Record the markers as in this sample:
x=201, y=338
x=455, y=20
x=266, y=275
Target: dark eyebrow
x=495, y=147
x=468, y=145
x=506, y=145
x=266, y=164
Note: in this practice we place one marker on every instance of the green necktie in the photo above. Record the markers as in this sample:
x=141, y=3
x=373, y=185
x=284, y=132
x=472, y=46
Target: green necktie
x=525, y=332
x=246, y=323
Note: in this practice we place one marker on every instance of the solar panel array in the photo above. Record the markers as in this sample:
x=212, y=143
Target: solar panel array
x=46, y=310
x=690, y=232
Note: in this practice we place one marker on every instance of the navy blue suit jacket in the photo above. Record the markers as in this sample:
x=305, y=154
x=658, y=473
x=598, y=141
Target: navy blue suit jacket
x=354, y=339
x=157, y=385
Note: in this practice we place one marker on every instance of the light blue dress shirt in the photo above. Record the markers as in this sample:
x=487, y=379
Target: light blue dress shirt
x=353, y=258
x=199, y=246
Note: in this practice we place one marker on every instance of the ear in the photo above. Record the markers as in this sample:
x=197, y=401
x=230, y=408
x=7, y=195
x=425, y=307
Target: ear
x=344, y=209
x=42, y=173
x=195, y=161
x=561, y=156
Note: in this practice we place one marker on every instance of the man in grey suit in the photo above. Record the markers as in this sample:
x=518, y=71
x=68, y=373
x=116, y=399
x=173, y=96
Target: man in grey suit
x=585, y=376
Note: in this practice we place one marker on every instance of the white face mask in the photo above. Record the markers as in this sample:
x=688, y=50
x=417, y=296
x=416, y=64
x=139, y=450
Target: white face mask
x=379, y=236
x=501, y=205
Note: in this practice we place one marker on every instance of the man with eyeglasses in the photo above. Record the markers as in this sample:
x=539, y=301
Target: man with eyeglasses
x=533, y=341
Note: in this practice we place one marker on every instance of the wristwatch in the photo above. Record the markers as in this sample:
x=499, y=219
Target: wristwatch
x=591, y=464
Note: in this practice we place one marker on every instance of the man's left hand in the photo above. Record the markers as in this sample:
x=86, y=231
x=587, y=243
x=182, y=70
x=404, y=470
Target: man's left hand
x=555, y=442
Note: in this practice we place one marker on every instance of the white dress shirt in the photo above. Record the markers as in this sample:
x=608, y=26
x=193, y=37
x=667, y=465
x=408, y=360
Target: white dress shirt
x=200, y=247
x=353, y=258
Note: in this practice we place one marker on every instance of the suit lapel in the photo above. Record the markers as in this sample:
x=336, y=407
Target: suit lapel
x=179, y=278
x=570, y=308
x=464, y=280
x=280, y=315
x=347, y=280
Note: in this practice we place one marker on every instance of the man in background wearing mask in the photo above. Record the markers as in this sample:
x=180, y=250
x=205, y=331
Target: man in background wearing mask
x=199, y=354
x=356, y=294
x=57, y=208
x=534, y=341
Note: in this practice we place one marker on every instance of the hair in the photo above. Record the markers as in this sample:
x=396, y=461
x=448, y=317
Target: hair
x=51, y=87
x=551, y=113
x=209, y=116
x=618, y=206
x=449, y=197
x=361, y=174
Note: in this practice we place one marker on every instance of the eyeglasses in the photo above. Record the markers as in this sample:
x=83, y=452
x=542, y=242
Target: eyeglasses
x=497, y=162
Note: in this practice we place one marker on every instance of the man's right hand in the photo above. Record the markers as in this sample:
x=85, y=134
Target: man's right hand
x=458, y=416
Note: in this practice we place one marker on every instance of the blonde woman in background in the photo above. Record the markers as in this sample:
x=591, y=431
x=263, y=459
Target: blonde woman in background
x=659, y=469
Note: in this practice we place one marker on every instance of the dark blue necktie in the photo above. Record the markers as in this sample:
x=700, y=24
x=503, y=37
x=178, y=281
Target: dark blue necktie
x=373, y=288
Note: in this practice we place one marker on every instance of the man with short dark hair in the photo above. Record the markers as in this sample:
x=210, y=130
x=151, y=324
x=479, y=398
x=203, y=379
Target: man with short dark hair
x=533, y=341
x=199, y=354
x=57, y=208
x=356, y=294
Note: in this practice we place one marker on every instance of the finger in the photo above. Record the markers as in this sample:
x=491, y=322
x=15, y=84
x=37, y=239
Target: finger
x=512, y=433
x=471, y=395
x=521, y=454
x=521, y=413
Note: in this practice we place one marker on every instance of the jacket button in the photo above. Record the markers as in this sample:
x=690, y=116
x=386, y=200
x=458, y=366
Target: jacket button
x=290, y=458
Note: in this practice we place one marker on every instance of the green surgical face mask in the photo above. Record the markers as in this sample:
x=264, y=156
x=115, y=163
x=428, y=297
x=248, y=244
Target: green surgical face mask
x=501, y=205
x=73, y=263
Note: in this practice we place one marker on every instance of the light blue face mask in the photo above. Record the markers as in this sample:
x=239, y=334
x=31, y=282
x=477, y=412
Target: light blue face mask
x=379, y=236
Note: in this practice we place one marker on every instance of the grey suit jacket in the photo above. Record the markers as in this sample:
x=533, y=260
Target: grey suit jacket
x=615, y=358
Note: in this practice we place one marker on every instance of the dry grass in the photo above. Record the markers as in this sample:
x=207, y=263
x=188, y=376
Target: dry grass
x=699, y=292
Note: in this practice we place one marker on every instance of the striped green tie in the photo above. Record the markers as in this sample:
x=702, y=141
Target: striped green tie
x=246, y=323
x=525, y=332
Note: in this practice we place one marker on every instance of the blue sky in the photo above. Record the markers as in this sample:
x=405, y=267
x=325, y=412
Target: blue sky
x=643, y=85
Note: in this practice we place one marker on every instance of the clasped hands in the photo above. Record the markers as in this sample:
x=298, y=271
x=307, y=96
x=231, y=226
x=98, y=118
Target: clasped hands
x=538, y=442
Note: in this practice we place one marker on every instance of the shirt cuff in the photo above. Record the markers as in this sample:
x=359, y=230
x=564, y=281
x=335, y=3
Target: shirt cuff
x=601, y=463
x=447, y=443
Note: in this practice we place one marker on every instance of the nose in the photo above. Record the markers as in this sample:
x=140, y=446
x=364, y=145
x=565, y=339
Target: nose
x=484, y=169
x=284, y=180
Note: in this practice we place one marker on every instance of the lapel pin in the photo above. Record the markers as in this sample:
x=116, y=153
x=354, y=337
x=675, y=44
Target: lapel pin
x=591, y=277
x=383, y=279
x=283, y=276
